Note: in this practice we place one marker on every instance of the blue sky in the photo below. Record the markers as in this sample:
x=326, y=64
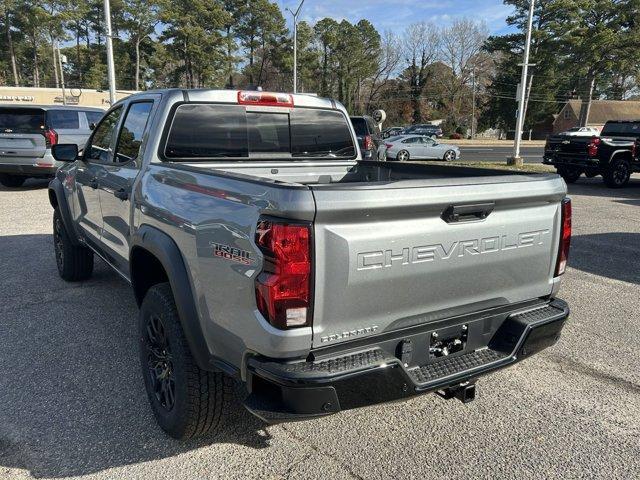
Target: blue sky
x=395, y=14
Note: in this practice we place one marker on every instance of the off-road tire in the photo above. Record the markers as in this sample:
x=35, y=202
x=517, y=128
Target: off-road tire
x=201, y=399
x=570, y=175
x=74, y=262
x=11, y=181
x=617, y=173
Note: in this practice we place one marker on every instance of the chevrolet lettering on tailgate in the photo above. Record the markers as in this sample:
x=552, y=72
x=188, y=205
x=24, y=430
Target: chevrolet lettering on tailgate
x=462, y=248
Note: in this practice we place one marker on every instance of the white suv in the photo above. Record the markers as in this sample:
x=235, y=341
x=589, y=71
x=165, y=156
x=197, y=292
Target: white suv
x=28, y=132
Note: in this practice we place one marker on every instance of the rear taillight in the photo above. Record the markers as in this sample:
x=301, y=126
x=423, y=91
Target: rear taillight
x=283, y=288
x=50, y=137
x=368, y=142
x=565, y=237
x=388, y=145
x=592, y=148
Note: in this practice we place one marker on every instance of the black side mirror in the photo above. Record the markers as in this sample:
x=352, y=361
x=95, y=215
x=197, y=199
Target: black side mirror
x=92, y=126
x=65, y=152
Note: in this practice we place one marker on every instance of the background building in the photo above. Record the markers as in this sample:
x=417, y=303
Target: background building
x=53, y=96
x=601, y=111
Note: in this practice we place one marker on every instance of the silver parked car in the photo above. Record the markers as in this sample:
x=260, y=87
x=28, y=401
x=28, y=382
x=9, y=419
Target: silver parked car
x=27, y=134
x=418, y=147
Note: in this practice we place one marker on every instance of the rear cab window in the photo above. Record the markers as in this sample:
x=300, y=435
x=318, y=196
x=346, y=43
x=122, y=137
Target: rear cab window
x=222, y=131
x=22, y=120
x=63, y=119
x=621, y=129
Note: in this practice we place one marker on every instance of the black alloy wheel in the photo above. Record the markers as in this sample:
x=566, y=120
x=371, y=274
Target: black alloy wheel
x=160, y=363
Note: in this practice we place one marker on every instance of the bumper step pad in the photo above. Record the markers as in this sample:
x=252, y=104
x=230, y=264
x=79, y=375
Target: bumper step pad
x=454, y=365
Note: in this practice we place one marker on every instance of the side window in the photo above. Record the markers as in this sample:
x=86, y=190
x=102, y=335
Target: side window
x=132, y=131
x=102, y=138
x=411, y=140
x=93, y=117
x=61, y=119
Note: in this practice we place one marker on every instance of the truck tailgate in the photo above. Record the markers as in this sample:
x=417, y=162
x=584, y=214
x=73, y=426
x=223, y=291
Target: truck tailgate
x=386, y=258
x=568, y=144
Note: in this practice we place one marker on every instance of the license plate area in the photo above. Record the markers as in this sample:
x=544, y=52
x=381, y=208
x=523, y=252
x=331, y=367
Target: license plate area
x=447, y=341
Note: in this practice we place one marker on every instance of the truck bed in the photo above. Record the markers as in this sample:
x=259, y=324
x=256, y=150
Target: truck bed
x=365, y=174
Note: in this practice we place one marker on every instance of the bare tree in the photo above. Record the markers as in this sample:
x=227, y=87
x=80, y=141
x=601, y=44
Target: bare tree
x=389, y=61
x=421, y=47
x=461, y=51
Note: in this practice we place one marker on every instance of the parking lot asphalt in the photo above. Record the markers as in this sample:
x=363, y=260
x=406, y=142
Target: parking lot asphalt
x=72, y=402
x=497, y=153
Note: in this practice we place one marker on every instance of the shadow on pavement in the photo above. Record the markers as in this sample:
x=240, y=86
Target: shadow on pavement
x=71, y=393
x=595, y=187
x=613, y=255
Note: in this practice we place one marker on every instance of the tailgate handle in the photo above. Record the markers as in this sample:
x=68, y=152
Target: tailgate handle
x=467, y=213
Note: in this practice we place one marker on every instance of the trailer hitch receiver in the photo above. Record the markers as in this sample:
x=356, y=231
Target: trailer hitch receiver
x=465, y=392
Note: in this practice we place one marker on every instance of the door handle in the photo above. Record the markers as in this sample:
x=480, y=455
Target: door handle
x=122, y=194
x=467, y=213
x=93, y=183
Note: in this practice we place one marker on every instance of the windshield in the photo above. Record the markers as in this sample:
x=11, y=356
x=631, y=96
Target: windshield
x=21, y=120
x=212, y=131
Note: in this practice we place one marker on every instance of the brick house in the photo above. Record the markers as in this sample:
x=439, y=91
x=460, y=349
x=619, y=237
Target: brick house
x=601, y=111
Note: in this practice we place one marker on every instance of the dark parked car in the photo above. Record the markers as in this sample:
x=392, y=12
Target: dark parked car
x=424, y=129
x=369, y=139
x=392, y=132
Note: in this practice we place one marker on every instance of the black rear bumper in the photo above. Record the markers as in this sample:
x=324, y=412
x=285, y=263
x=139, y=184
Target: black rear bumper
x=572, y=161
x=285, y=391
x=44, y=171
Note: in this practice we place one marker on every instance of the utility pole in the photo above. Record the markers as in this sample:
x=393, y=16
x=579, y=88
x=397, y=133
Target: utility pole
x=110, y=68
x=473, y=106
x=295, y=44
x=61, y=62
x=522, y=90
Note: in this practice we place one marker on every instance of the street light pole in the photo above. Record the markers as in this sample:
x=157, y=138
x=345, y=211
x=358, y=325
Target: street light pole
x=517, y=159
x=295, y=45
x=110, y=67
x=61, y=64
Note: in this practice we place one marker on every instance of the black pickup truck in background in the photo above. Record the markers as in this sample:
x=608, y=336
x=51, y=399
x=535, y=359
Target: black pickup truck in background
x=615, y=154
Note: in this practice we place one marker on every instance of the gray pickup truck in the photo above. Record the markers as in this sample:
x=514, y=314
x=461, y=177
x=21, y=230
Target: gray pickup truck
x=265, y=254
